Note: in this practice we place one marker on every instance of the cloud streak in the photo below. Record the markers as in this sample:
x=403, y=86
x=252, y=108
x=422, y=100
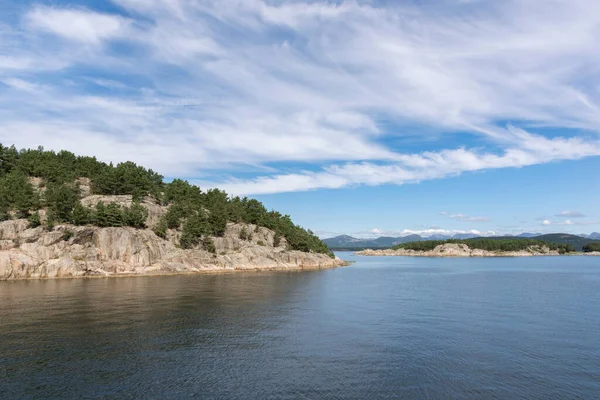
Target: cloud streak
x=322, y=95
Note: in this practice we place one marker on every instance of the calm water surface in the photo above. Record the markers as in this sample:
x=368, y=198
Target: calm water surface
x=383, y=328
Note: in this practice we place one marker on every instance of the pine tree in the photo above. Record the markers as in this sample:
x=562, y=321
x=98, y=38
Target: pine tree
x=114, y=215
x=61, y=199
x=194, y=229
x=81, y=215
x=161, y=228
x=136, y=216
x=34, y=220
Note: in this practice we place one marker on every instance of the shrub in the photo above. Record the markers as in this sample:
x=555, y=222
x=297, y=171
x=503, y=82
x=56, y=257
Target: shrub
x=161, y=228
x=34, y=220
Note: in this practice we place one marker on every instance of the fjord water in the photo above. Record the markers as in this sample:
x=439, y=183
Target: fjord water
x=410, y=328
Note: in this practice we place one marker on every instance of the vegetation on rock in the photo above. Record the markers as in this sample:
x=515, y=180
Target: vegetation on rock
x=488, y=244
x=591, y=247
x=199, y=214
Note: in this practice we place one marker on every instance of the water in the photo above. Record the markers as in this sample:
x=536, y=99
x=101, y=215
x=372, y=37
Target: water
x=383, y=328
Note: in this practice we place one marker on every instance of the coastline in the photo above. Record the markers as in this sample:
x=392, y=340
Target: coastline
x=69, y=252
x=452, y=250
x=207, y=271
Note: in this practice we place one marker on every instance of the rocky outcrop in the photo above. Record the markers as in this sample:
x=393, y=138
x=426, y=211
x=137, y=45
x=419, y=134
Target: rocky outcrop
x=87, y=251
x=460, y=250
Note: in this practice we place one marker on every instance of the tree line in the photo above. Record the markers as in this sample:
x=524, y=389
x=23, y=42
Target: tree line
x=198, y=214
x=487, y=245
x=591, y=247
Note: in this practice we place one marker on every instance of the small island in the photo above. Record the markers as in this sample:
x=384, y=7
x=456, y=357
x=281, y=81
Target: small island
x=481, y=247
x=66, y=216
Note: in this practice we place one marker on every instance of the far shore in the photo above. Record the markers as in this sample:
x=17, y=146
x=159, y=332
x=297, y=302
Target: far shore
x=462, y=250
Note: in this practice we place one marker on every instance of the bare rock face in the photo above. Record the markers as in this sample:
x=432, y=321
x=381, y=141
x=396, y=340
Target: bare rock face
x=81, y=251
x=460, y=250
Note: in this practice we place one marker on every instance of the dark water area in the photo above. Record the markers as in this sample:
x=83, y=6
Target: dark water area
x=383, y=328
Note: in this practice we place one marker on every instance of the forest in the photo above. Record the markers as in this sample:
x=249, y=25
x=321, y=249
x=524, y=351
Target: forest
x=591, y=247
x=199, y=215
x=488, y=244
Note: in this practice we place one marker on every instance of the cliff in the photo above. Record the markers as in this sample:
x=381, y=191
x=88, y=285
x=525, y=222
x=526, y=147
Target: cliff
x=461, y=250
x=70, y=251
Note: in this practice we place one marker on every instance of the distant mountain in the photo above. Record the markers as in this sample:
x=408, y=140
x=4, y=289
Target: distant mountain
x=559, y=238
x=464, y=236
x=438, y=237
x=351, y=243
x=527, y=235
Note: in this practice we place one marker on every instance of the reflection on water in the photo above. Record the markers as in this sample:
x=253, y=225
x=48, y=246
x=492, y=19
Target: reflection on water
x=382, y=328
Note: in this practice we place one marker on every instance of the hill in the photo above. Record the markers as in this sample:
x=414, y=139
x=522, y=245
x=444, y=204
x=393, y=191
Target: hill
x=346, y=242
x=44, y=193
x=564, y=238
x=488, y=244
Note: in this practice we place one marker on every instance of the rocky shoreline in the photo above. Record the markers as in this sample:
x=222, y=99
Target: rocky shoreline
x=462, y=250
x=70, y=251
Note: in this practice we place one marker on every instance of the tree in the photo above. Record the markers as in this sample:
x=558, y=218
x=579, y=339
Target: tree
x=591, y=247
x=82, y=215
x=61, y=199
x=100, y=215
x=34, y=220
x=50, y=220
x=276, y=239
x=194, y=228
x=161, y=228
x=115, y=215
x=218, y=218
x=136, y=216
x=18, y=193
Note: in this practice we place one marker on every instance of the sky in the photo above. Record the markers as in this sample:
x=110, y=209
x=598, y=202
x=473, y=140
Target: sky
x=356, y=117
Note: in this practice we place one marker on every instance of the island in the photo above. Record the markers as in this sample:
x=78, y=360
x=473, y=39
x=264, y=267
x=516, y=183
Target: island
x=67, y=216
x=480, y=247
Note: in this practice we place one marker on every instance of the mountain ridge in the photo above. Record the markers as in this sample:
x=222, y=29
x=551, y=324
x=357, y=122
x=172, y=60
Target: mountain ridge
x=577, y=241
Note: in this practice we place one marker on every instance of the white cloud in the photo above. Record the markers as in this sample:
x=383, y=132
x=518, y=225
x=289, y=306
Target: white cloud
x=424, y=232
x=212, y=85
x=77, y=25
x=465, y=218
x=410, y=169
x=571, y=214
x=546, y=222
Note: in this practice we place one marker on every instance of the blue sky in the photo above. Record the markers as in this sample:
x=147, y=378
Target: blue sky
x=358, y=117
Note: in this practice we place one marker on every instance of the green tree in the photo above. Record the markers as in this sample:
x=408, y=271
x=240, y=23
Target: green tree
x=194, y=228
x=34, y=220
x=82, y=215
x=161, y=228
x=100, y=215
x=50, y=220
x=136, y=216
x=115, y=215
x=61, y=199
x=276, y=239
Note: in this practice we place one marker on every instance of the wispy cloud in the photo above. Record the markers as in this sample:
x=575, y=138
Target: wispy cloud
x=570, y=214
x=463, y=217
x=426, y=232
x=200, y=88
x=568, y=222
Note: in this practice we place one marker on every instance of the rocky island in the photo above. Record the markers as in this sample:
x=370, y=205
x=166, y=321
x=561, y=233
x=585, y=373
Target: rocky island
x=460, y=250
x=64, y=216
x=478, y=247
